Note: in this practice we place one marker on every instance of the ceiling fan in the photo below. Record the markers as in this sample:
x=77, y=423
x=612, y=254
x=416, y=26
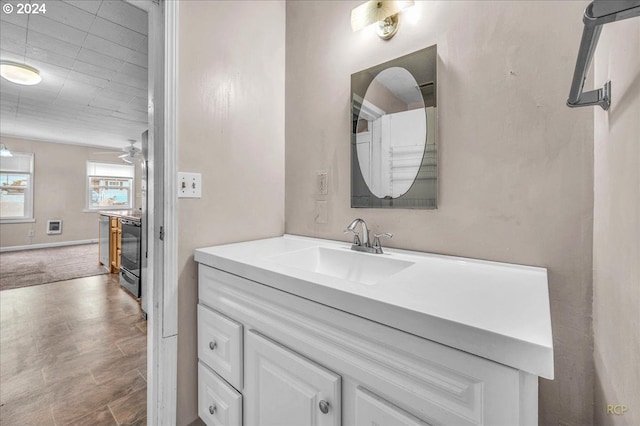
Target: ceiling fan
x=131, y=153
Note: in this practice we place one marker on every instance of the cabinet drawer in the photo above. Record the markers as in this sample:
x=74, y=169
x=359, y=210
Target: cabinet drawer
x=218, y=403
x=220, y=345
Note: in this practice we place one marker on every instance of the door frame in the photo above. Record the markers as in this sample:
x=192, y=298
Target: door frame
x=162, y=261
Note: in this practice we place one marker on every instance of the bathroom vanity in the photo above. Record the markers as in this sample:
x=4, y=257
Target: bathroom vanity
x=302, y=331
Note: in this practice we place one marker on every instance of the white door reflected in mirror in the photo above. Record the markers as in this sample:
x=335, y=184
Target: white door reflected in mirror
x=391, y=133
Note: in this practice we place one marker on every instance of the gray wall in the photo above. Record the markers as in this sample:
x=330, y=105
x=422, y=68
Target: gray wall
x=616, y=235
x=231, y=129
x=516, y=165
x=60, y=186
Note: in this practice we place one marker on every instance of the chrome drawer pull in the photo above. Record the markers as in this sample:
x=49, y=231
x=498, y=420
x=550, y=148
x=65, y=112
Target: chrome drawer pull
x=212, y=409
x=324, y=407
x=213, y=345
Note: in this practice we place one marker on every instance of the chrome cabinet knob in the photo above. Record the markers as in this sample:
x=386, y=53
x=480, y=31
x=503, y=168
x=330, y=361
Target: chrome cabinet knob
x=324, y=406
x=212, y=409
x=213, y=345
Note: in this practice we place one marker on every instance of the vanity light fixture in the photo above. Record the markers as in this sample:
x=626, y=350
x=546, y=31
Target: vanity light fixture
x=19, y=73
x=384, y=13
x=4, y=151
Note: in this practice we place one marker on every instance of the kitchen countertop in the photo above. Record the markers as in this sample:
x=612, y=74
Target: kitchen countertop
x=124, y=214
x=495, y=310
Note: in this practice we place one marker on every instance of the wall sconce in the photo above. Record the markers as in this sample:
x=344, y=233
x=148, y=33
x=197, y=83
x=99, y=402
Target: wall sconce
x=19, y=73
x=384, y=13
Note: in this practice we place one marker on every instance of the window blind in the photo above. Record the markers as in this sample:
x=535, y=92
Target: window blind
x=109, y=169
x=20, y=163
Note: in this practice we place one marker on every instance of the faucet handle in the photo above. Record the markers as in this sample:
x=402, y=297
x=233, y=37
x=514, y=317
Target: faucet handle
x=356, y=237
x=376, y=239
x=384, y=234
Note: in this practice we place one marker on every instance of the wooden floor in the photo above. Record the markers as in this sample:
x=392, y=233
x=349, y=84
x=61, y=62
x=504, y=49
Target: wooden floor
x=72, y=352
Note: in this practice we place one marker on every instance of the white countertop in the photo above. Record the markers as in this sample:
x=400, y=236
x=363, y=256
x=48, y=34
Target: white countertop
x=135, y=215
x=498, y=311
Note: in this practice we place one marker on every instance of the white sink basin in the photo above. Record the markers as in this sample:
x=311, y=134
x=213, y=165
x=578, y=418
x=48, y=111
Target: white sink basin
x=349, y=265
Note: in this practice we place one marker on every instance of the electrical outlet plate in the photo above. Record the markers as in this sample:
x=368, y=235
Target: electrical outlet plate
x=321, y=212
x=189, y=185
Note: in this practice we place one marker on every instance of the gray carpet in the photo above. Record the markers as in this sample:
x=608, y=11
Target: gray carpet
x=34, y=267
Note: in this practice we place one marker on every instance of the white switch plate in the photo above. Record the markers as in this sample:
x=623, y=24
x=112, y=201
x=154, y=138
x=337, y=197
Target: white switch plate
x=189, y=185
x=323, y=183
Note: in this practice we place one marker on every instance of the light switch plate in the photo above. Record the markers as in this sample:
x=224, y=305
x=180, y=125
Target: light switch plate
x=323, y=183
x=189, y=185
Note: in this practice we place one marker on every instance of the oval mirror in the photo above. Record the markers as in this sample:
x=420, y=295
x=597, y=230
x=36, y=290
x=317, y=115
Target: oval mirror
x=394, y=158
x=391, y=133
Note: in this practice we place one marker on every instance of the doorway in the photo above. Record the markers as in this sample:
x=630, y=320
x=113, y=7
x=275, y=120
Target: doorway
x=161, y=226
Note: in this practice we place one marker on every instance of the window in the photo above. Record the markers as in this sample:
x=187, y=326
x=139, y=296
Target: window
x=16, y=188
x=109, y=186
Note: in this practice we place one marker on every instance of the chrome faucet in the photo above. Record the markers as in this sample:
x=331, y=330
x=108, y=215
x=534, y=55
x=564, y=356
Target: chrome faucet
x=365, y=233
x=364, y=244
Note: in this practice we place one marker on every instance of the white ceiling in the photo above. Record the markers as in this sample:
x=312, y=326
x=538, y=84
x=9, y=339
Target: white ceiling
x=402, y=84
x=92, y=57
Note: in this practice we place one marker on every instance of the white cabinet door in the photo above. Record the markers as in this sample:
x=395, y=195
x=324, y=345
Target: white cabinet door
x=371, y=410
x=284, y=389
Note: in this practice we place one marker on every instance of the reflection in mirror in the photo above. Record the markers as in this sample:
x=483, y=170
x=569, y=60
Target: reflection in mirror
x=393, y=134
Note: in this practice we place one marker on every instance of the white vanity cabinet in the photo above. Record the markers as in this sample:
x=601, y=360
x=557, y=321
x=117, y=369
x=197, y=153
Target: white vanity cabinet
x=305, y=363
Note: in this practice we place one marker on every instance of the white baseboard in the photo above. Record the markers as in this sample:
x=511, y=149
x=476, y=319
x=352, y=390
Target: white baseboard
x=48, y=245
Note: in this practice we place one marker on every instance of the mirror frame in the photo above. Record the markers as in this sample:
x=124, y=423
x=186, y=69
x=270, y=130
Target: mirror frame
x=422, y=65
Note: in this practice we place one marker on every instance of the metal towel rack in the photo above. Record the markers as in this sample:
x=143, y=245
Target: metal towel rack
x=597, y=13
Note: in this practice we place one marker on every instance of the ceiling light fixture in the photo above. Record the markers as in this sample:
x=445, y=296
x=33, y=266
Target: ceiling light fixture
x=4, y=151
x=384, y=13
x=19, y=73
